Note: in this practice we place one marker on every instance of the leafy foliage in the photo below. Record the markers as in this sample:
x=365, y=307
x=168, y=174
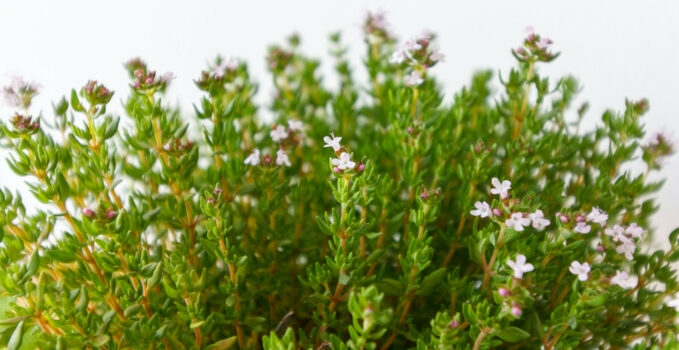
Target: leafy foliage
x=365, y=217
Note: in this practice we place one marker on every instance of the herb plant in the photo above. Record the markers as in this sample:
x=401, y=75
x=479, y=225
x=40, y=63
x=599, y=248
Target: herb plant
x=363, y=217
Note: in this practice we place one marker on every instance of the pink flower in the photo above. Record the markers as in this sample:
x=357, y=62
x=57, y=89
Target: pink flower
x=332, y=141
x=295, y=125
x=624, y=280
x=413, y=79
x=482, y=210
x=517, y=221
x=597, y=216
x=504, y=292
x=582, y=270
x=501, y=188
x=520, y=266
x=253, y=159
x=634, y=230
x=627, y=247
x=538, y=219
x=282, y=158
x=616, y=233
x=344, y=161
x=278, y=134
x=582, y=227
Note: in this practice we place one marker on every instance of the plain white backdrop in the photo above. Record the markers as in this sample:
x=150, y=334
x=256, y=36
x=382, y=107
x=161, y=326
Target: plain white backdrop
x=617, y=49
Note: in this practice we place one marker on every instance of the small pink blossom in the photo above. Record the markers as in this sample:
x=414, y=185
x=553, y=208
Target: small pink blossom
x=520, y=266
x=501, y=188
x=538, y=219
x=295, y=125
x=624, y=280
x=482, y=210
x=279, y=133
x=582, y=270
x=253, y=159
x=413, y=79
x=582, y=227
x=344, y=161
x=517, y=221
x=282, y=158
x=597, y=216
x=332, y=141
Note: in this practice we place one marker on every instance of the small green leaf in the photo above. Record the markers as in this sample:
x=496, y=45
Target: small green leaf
x=513, y=334
x=17, y=337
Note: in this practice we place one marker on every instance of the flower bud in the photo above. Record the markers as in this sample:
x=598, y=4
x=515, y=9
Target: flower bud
x=516, y=310
x=453, y=324
x=360, y=167
x=336, y=170
x=110, y=214
x=504, y=292
x=497, y=212
x=88, y=212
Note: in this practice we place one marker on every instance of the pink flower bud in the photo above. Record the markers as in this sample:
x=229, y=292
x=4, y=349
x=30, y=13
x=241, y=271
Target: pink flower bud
x=217, y=191
x=497, y=212
x=136, y=85
x=410, y=129
x=210, y=200
x=360, y=167
x=89, y=212
x=336, y=170
x=453, y=324
x=110, y=214
x=516, y=310
x=424, y=194
x=504, y=292
x=267, y=159
x=563, y=218
x=580, y=218
x=600, y=248
x=149, y=80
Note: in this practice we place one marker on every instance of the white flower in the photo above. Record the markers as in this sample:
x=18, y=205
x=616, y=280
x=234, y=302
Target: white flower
x=520, y=266
x=634, y=230
x=413, y=79
x=279, y=133
x=344, y=161
x=282, y=158
x=501, y=188
x=597, y=216
x=437, y=56
x=332, y=141
x=538, y=219
x=627, y=247
x=616, y=233
x=253, y=159
x=295, y=125
x=482, y=209
x=412, y=45
x=397, y=57
x=517, y=221
x=673, y=303
x=582, y=227
x=624, y=280
x=582, y=270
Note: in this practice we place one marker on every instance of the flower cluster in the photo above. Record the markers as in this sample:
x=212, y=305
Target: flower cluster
x=535, y=47
x=418, y=54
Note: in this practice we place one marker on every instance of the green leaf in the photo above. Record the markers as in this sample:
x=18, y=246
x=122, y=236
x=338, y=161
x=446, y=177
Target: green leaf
x=100, y=340
x=513, y=334
x=223, y=344
x=196, y=323
x=17, y=337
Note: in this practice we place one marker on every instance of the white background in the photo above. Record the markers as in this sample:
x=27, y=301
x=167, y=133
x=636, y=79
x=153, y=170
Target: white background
x=617, y=49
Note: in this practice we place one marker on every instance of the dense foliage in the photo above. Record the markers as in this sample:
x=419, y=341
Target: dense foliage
x=364, y=217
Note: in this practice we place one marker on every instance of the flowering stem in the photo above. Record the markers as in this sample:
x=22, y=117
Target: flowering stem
x=479, y=339
x=489, y=269
x=522, y=114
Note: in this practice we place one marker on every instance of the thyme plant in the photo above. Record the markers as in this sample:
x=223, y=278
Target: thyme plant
x=364, y=217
